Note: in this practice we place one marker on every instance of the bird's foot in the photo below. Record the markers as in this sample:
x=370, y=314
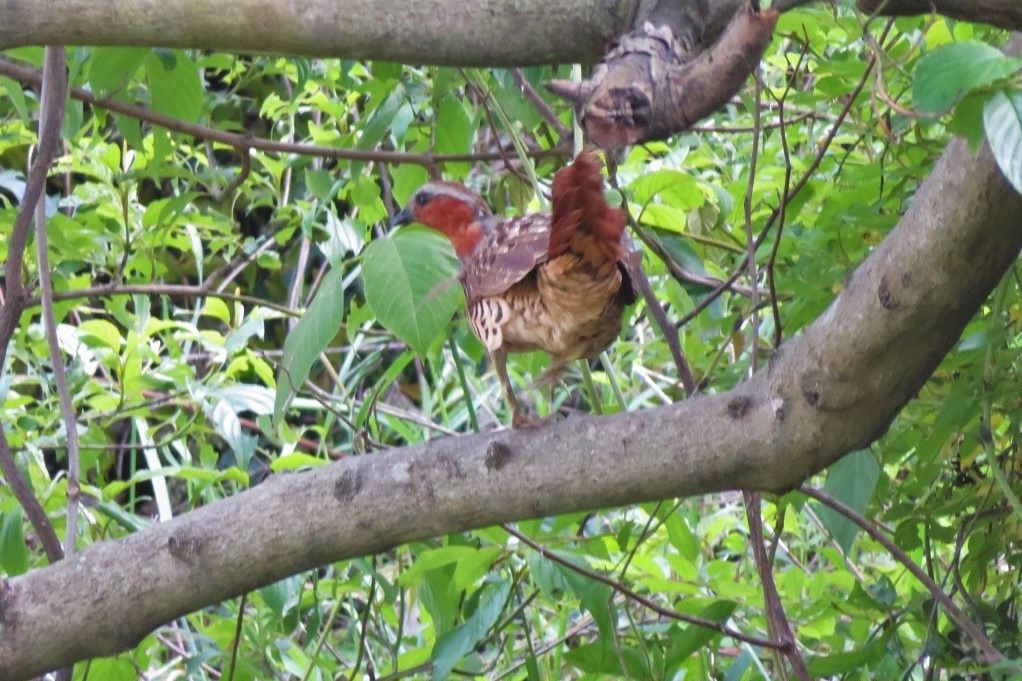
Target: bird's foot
x=523, y=419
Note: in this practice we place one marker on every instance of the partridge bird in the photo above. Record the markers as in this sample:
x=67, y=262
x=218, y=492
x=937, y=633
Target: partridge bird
x=554, y=281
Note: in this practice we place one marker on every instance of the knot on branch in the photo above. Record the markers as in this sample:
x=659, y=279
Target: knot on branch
x=652, y=84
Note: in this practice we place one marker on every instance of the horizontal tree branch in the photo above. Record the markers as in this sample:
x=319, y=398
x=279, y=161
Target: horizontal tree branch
x=490, y=32
x=831, y=389
x=1003, y=13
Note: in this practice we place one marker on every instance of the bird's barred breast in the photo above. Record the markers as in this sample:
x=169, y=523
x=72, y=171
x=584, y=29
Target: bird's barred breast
x=570, y=311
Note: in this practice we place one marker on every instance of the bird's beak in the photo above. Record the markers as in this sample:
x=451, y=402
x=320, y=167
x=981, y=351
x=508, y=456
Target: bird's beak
x=403, y=218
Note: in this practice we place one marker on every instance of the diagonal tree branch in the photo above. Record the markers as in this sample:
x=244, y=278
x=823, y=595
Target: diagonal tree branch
x=829, y=390
x=53, y=83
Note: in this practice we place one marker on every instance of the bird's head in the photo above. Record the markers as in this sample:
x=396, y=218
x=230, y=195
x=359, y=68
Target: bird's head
x=451, y=209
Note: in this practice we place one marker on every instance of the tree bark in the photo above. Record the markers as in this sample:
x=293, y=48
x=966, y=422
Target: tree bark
x=1003, y=13
x=831, y=389
x=489, y=32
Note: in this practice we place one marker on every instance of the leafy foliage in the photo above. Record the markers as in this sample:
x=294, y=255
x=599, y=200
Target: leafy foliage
x=185, y=396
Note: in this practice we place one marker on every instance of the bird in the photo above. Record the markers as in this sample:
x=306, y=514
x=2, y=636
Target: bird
x=556, y=280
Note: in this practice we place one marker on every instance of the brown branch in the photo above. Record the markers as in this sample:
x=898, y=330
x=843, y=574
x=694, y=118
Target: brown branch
x=184, y=290
x=779, y=626
x=1003, y=13
x=242, y=142
x=55, y=96
x=990, y=654
x=54, y=82
x=540, y=104
x=639, y=598
x=654, y=82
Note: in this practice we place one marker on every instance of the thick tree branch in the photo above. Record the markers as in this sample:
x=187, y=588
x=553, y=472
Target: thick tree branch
x=829, y=390
x=490, y=32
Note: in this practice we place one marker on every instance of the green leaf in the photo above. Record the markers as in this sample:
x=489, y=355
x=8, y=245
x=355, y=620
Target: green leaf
x=411, y=285
x=175, y=84
x=594, y=597
x=944, y=76
x=13, y=550
x=692, y=637
x=296, y=460
x=454, y=131
x=314, y=331
x=851, y=480
x=1002, y=120
x=111, y=68
x=829, y=666
x=674, y=187
x=464, y=637
x=681, y=537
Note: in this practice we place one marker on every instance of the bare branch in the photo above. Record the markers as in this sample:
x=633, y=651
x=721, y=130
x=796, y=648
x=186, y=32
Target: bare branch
x=990, y=653
x=639, y=598
x=242, y=142
x=54, y=83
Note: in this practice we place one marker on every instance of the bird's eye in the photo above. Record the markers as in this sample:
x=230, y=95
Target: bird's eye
x=422, y=198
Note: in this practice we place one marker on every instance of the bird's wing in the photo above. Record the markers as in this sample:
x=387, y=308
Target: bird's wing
x=510, y=249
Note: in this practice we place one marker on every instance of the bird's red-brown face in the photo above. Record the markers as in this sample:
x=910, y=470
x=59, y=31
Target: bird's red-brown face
x=452, y=210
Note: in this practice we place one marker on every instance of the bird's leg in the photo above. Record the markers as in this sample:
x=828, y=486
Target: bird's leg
x=519, y=417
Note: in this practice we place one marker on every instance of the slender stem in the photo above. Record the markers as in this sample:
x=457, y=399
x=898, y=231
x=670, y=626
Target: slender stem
x=587, y=379
x=53, y=83
x=241, y=141
x=990, y=654
x=236, y=643
x=750, y=242
x=473, y=422
x=637, y=597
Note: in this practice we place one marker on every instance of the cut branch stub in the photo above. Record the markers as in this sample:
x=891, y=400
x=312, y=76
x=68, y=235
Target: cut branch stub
x=652, y=84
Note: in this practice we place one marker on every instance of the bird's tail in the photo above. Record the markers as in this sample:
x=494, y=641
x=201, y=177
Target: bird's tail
x=582, y=222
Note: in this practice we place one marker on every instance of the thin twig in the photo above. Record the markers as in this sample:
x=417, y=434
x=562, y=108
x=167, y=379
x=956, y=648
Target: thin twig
x=236, y=643
x=639, y=598
x=750, y=256
x=540, y=104
x=241, y=142
x=991, y=655
x=777, y=620
x=788, y=197
x=184, y=290
x=53, y=83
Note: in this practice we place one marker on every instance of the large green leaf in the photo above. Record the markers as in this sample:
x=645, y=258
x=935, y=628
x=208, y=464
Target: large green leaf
x=1002, y=119
x=945, y=75
x=464, y=637
x=175, y=84
x=111, y=68
x=851, y=480
x=411, y=285
x=314, y=330
x=693, y=637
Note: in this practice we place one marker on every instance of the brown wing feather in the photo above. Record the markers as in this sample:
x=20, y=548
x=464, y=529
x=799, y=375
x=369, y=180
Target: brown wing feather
x=509, y=251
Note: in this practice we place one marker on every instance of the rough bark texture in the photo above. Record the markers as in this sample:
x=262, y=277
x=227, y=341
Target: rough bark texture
x=488, y=32
x=1003, y=13
x=661, y=78
x=831, y=389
